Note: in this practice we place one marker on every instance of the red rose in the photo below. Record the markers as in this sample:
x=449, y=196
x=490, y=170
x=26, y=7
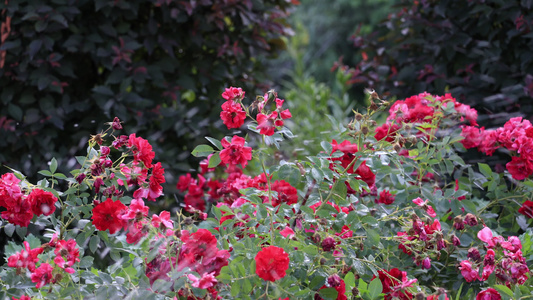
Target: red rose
x=385, y=197
x=489, y=294
x=232, y=114
x=142, y=150
x=106, y=215
x=519, y=168
x=235, y=153
x=42, y=203
x=271, y=263
x=527, y=209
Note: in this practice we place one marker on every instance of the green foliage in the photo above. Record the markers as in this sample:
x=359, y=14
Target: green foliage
x=158, y=65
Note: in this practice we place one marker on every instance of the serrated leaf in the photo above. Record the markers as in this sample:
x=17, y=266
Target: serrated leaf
x=373, y=236
x=45, y=173
x=202, y=151
x=21, y=231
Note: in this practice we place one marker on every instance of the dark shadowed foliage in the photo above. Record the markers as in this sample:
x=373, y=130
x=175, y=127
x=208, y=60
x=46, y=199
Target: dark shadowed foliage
x=67, y=67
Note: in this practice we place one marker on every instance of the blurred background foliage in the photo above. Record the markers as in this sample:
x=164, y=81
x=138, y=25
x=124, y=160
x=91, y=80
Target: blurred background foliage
x=67, y=67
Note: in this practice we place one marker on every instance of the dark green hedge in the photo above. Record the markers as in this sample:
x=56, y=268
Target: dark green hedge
x=160, y=66
x=479, y=50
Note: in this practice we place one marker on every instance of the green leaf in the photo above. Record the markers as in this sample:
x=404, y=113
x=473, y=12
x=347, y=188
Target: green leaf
x=504, y=289
x=21, y=231
x=15, y=111
x=214, y=160
x=373, y=236
x=349, y=280
x=485, y=170
x=215, y=142
x=93, y=243
x=328, y=293
x=86, y=262
x=375, y=288
x=9, y=229
x=202, y=151
x=45, y=173
x=53, y=165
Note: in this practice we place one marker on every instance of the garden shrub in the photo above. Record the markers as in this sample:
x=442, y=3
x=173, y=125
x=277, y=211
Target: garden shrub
x=386, y=210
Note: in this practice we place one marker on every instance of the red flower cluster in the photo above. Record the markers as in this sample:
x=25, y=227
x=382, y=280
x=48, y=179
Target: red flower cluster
x=422, y=107
x=141, y=149
x=516, y=135
x=503, y=258
x=20, y=208
x=271, y=263
x=67, y=254
x=232, y=114
x=395, y=284
x=347, y=161
x=489, y=294
x=200, y=253
x=385, y=197
x=267, y=123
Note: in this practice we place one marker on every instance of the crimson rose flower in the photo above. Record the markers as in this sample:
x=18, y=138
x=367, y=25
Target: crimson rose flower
x=142, y=150
x=489, y=294
x=385, y=197
x=271, y=263
x=106, y=215
x=235, y=153
x=42, y=203
x=232, y=114
x=527, y=209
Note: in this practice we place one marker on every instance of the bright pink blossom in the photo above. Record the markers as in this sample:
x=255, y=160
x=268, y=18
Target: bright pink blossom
x=206, y=281
x=467, y=271
x=233, y=94
x=42, y=275
x=287, y=232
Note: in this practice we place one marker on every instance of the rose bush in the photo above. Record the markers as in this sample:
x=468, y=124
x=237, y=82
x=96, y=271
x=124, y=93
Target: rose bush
x=385, y=211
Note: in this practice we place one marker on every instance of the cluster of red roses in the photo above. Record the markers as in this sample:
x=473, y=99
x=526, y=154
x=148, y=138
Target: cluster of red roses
x=422, y=108
x=516, y=135
x=198, y=252
x=66, y=255
x=20, y=208
x=233, y=114
x=503, y=258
